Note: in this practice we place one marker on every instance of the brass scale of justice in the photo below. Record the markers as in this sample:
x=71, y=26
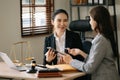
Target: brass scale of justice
x=25, y=51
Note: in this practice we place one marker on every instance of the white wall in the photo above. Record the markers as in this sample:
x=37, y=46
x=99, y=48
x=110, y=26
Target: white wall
x=10, y=26
x=10, y=29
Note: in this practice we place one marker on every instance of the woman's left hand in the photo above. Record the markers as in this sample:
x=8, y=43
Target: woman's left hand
x=67, y=58
x=60, y=60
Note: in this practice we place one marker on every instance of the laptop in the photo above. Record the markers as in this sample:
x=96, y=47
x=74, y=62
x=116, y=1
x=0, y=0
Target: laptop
x=9, y=62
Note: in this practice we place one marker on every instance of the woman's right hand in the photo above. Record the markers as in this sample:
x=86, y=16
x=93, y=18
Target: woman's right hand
x=76, y=51
x=73, y=51
x=50, y=55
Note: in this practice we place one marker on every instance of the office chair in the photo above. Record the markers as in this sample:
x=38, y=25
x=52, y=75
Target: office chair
x=82, y=26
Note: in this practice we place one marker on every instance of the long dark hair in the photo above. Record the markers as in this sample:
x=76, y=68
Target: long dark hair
x=58, y=11
x=102, y=16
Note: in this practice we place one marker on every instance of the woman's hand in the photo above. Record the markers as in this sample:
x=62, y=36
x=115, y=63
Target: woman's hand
x=67, y=58
x=76, y=51
x=60, y=60
x=73, y=51
x=50, y=55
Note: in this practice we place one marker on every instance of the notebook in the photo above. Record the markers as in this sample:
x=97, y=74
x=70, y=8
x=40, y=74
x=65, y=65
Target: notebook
x=9, y=62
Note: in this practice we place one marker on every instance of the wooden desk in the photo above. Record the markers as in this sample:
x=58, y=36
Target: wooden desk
x=7, y=72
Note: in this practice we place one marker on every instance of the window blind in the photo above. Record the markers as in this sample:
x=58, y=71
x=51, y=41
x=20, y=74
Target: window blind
x=36, y=17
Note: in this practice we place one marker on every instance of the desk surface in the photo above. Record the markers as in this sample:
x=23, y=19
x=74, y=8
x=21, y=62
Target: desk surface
x=7, y=72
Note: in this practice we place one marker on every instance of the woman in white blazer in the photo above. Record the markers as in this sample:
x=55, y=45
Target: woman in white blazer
x=100, y=62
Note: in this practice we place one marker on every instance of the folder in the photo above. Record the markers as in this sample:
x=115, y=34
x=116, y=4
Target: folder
x=63, y=67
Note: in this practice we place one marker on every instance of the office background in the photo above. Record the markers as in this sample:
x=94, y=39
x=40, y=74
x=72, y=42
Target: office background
x=10, y=29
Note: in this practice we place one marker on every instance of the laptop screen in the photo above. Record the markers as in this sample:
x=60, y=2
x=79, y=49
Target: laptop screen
x=7, y=60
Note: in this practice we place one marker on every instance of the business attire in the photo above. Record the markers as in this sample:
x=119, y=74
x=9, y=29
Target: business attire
x=72, y=40
x=100, y=62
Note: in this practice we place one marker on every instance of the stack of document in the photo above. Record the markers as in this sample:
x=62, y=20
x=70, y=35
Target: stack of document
x=47, y=72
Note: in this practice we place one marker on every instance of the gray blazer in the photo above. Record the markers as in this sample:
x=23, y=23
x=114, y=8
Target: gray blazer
x=100, y=62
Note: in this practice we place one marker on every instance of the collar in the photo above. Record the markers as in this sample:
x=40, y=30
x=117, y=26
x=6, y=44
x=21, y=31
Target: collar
x=96, y=37
x=62, y=37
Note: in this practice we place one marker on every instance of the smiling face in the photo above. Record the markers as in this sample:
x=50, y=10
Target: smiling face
x=60, y=22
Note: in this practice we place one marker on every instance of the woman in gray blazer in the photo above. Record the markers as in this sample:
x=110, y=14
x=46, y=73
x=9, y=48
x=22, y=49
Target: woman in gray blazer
x=101, y=60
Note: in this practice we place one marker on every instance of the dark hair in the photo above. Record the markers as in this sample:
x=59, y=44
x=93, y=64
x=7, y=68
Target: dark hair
x=59, y=11
x=102, y=16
